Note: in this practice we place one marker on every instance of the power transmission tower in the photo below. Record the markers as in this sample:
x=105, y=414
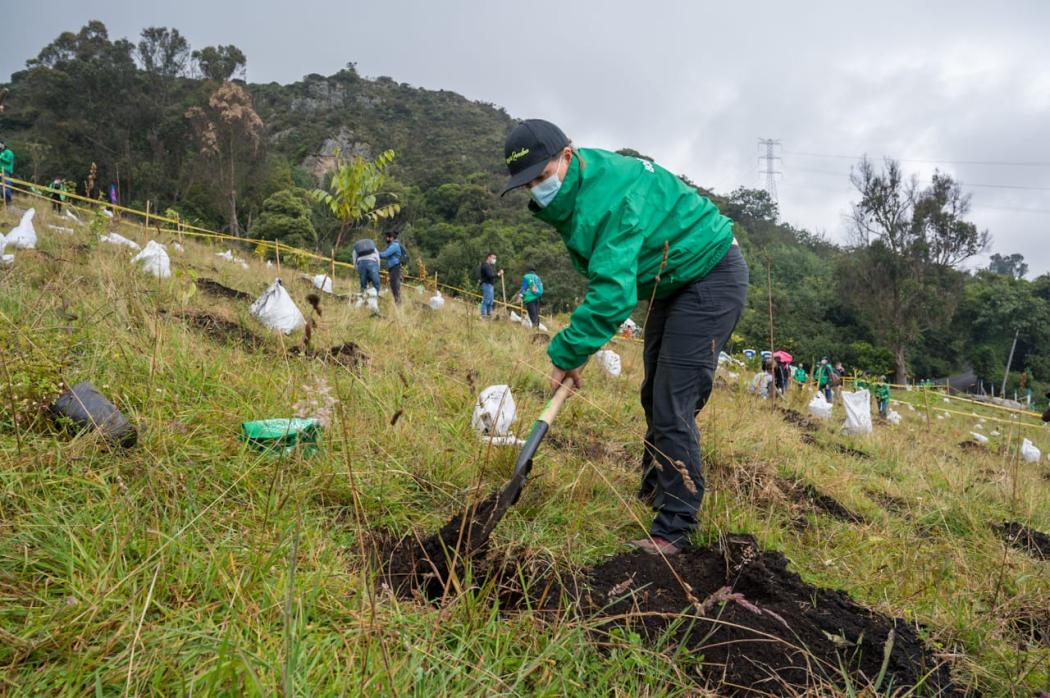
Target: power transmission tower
x=770, y=160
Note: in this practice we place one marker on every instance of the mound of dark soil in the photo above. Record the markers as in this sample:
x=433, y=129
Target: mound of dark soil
x=1032, y=627
x=347, y=354
x=971, y=445
x=812, y=499
x=894, y=505
x=757, y=627
x=220, y=329
x=216, y=289
x=800, y=420
x=850, y=451
x=428, y=565
x=1021, y=537
x=541, y=338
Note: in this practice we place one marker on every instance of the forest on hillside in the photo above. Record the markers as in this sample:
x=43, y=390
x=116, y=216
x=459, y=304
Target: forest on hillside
x=178, y=127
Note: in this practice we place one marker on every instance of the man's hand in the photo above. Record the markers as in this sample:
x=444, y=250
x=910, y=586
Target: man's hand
x=499, y=273
x=558, y=376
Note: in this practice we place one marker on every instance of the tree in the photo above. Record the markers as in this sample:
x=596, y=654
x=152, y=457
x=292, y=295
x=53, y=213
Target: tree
x=219, y=63
x=286, y=217
x=228, y=132
x=354, y=191
x=632, y=153
x=752, y=205
x=1013, y=265
x=163, y=52
x=906, y=242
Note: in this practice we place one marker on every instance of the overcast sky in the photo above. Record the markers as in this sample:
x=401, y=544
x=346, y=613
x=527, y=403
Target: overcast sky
x=693, y=84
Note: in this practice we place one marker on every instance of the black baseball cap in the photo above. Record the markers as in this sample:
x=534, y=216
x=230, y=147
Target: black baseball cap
x=528, y=149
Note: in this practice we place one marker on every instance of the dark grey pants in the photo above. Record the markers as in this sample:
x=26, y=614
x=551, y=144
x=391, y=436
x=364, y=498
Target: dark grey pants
x=394, y=276
x=533, y=309
x=683, y=337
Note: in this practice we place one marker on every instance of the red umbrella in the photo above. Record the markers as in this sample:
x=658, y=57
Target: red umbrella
x=782, y=356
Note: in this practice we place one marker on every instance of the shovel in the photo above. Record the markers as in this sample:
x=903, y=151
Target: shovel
x=510, y=493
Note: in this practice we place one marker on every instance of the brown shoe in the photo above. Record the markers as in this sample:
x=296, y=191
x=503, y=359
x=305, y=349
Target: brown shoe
x=655, y=546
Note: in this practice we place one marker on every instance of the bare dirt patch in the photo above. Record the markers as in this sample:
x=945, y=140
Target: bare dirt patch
x=214, y=288
x=1021, y=537
x=220, y=329
x=758, y=627
x=347, y=354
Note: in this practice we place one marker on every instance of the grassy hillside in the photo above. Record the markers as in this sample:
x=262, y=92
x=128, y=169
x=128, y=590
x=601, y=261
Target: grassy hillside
x=192, y=564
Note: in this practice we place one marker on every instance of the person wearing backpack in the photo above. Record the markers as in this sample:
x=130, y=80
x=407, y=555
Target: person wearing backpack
x=487, y=276
x=393, y=254
x=638, y=232
x=366, y=261
x=531, y=291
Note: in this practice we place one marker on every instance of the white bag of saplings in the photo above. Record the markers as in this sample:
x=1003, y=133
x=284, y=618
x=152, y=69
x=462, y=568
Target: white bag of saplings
x=70, y=215
x=323, y=282
x=858, y=412
x=178, y=247
x=227, y=255
x=154, y=260
x=629, y=328
x=819, y=407
x=541, y=327
x=118, y=239
x=276, y=309
x=60, y=229
x=372, y=299
x=894, y=418
x=494, y=412
x=1029, y=452
x=514, y=317
x=23, y=235
x=979, y=438
x=609, y=361
x=436, y=301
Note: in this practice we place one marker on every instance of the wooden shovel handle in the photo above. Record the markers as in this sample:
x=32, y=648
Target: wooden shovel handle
x=554, y=406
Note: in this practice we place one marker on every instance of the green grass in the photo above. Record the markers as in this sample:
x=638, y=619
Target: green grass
x=192, y=564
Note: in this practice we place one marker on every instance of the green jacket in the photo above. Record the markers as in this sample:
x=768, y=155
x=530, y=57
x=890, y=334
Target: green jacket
x=882, y=392
x=7, y=161
x=800, y=375
x=823, y=375
x=615, y=214
x=531, y=287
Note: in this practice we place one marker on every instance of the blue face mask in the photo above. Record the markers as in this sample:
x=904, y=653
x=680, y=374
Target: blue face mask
x=544, y=192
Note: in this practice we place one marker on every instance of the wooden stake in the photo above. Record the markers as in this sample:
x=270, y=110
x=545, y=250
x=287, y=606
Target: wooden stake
x=926, y=401
x=145, y=228
x=277, y=247
x=332, y=275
